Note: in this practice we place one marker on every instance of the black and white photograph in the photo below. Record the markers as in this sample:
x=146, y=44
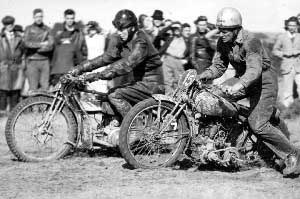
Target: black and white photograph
x=149, y=99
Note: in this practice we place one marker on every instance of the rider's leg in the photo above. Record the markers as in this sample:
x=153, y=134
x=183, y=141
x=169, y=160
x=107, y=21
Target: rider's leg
x=123, y=98
x=262, y=101
x=280, y=124
x=119, y=103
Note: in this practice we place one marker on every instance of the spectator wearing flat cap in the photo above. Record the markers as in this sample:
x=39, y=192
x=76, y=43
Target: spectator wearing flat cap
x=11, y=65
x=174, y=53
x=39, y=47
x=201, y=51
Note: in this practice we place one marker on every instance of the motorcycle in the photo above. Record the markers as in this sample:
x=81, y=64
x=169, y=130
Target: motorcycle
x=47, y=125
x=194, y=122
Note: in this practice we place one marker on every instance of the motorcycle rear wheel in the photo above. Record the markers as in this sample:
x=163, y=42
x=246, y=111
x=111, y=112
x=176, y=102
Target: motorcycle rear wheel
x=28, y=142
x=149, y=147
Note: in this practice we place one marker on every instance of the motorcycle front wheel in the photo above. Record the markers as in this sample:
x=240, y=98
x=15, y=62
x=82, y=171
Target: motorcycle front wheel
x=147, y=140
x=36, y=131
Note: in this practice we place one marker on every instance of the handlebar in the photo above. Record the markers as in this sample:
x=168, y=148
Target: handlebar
x=71, y=82
x=68, y=78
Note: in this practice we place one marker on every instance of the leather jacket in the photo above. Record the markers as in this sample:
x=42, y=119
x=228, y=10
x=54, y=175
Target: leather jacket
x=138, y=56
x=33, y=38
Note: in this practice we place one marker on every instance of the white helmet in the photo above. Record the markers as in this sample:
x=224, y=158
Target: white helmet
x=229, y=18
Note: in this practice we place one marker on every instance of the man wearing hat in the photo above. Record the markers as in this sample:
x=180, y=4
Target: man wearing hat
x=158, y=18
x=201, y=51
x=39, y=46
x=158, y=22
x=11, y=64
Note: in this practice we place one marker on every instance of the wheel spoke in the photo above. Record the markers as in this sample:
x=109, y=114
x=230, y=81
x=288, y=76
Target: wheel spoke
x=34, y=140
x=153, y=146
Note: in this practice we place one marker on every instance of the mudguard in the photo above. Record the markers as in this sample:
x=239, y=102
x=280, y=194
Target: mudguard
x=40, y=93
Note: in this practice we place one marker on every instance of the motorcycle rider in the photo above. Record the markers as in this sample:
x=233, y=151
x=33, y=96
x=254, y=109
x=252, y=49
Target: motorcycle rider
x=129, y=50
x=255, y=78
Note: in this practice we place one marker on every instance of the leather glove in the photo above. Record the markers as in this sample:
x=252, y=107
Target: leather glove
x=79, y=69
x=91, y=77
x=205, y=76
x=66, y=78
x=75, y=72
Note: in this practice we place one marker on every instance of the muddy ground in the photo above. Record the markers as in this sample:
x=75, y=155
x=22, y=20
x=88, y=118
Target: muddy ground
x=84, y=177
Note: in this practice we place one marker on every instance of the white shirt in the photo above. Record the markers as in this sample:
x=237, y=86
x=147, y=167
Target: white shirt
x=95, y=45
x=177, y=47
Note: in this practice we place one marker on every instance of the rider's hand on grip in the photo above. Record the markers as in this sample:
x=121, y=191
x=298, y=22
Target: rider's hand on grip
x=90, y=77
x=80, y=82
x=205, y=76
x=74, y=72
x=66, y=78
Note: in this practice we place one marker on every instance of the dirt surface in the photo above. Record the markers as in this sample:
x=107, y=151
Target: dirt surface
x=81, y=176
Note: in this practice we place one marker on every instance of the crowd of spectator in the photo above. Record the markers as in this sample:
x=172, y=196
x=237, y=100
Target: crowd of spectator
x=36, y=58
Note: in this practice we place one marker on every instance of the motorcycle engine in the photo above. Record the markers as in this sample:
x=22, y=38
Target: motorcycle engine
x=215, y=141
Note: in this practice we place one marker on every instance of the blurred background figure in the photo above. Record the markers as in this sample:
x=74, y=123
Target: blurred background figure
x=298, y=17
x=158, y=20
x=11, y=65
x=39, y=45
x=141, y=20
x=167, y=22
x=201, y=51
x=69, y=46
x=158, y=23
x=174, y=50
x=95, y=41
x=19, y=30
x=146, y=23
x=186, y=31
x=287, y=47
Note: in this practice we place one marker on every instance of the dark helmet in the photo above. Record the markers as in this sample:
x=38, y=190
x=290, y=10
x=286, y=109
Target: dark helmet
x=124, y=19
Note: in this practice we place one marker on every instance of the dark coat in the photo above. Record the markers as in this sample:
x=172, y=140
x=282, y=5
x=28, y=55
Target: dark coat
x=11, y=63
x=200, y=53
x=248, y=57
x=34, y=36
x=69, y=49
x=163, y=37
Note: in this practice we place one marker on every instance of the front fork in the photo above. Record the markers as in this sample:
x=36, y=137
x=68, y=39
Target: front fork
x=56, y=107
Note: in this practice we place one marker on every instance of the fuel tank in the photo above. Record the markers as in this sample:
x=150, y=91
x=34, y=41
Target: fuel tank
x=213, y=105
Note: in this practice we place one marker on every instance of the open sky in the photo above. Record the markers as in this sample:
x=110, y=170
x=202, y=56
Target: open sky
x=258, y=15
